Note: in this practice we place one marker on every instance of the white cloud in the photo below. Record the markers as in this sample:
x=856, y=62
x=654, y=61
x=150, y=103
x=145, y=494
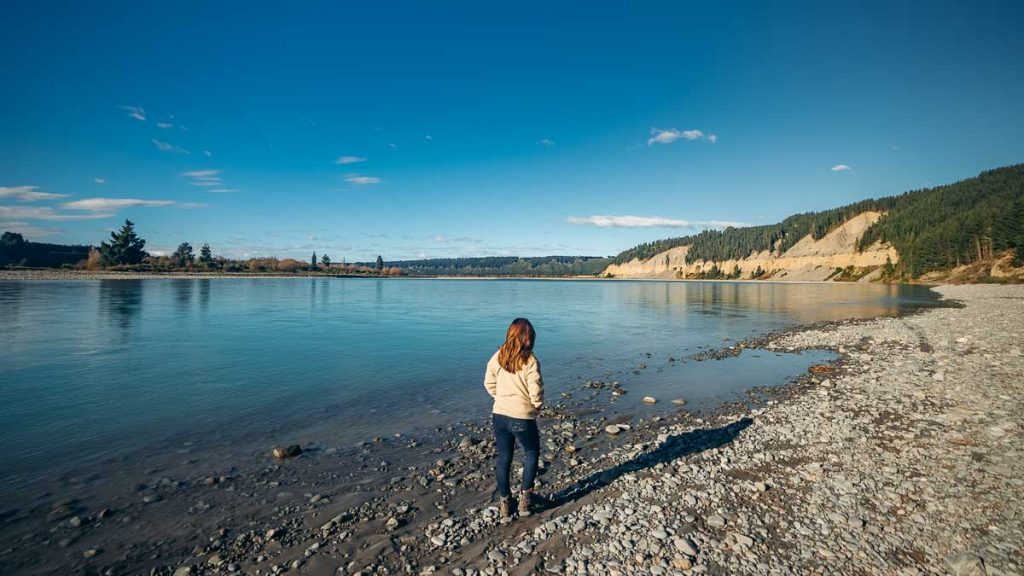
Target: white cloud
x=546, y=142
x=440, y=238
x=201, y=173
x=392, y=145
x=20, y=213
x=207, y=178
x=840, y=168
x=429, y=137
x=362, y=180
x=135, y=112
x=663, y=136
x=27, y=193
x=207, y=153
x=100, y=180
x=191, y=205
x=113, y=204
x=164, y=125
x=225, y=190
x=164, y=146
x=349, y=160
x=606, y=221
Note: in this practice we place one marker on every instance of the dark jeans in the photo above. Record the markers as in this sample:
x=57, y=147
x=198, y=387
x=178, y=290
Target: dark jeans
x=507, y=431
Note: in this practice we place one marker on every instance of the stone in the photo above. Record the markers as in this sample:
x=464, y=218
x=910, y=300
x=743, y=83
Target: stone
x=966, y=565
x=183, y=571
x=679, y=402
x=650, y=400
x=90, y=553
x=660, y=534
x=496, y=555
x=289, y=451
x=686, y=546
x=392, y=523
x=715, y=521
x=612, y=429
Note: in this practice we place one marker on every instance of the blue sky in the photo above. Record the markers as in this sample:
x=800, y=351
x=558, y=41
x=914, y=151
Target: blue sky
x=414, y=129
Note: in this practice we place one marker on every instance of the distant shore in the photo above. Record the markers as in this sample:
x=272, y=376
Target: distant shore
x=48, y=274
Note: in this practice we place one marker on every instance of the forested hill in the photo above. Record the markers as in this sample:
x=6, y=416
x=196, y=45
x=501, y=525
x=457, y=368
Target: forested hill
x=931, y=229
x=15, y=250
x=505, y=266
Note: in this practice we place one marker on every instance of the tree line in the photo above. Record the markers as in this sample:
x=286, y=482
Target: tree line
x=931, y=228
x=126, y=250
x=547, y=266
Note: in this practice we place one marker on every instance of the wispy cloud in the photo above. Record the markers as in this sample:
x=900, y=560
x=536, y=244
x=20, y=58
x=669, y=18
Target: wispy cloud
x=164, y=125
x=44, y=213
x=429, y=137
x=349, y=160
x=207, y=153
x=164, y=146
x=362, y=180
x=668, y=136
x=209, y=179
x=605, y=221
x=840, y=168
x=190, y=205
x=113, y=204
x=27, y=193
x=225, y=190
x=100, y=180
x=135, y=112
x=546, y=142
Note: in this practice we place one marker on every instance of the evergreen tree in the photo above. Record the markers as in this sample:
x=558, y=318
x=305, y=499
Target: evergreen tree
x=312, y=262
x=184, y=256
x=205, y=255
x=11, y=239
x=380, y=264
x=125, y=247
x=326, y=261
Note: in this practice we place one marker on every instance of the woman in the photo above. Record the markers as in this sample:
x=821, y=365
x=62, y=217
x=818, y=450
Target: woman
x=513, y=380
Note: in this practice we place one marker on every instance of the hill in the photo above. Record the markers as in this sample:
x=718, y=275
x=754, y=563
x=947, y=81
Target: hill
x=920, y=232
x=16, y=251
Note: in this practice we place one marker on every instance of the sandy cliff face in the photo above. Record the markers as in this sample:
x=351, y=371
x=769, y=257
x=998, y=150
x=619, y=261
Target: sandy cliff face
x=808, y=259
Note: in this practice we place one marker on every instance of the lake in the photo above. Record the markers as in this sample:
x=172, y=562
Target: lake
x=95, y=370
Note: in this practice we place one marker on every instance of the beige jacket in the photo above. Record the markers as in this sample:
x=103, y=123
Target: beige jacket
x=519, y=395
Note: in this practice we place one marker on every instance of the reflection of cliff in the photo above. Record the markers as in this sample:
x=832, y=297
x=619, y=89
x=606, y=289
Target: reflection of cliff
x=803, y=302
x=808, y=259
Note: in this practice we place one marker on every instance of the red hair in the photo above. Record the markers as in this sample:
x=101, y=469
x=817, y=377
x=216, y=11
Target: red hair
x=518, y=346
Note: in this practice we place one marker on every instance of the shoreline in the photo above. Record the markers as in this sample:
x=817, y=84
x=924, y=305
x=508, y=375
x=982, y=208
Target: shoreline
x=51, y=274
x=305, y=516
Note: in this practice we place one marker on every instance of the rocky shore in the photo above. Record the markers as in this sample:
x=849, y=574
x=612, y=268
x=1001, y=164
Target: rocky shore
x=903, y=457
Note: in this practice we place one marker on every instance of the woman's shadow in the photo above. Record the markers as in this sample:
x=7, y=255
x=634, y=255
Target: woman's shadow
x=672, y=448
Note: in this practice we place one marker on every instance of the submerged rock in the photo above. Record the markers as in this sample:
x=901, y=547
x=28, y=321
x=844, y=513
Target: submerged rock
x=650, y=400
x=290, y=451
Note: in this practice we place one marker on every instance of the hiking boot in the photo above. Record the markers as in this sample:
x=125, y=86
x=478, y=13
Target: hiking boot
x=505, y=507
x=524, y=503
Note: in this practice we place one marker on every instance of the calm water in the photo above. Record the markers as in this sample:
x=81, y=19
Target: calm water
x=96, y=369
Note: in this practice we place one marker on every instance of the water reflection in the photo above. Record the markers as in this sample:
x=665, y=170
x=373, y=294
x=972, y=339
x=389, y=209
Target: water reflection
x=11, y=295
x=801, y=302
x=204, y=294
x=121, y=302
x=183, y=294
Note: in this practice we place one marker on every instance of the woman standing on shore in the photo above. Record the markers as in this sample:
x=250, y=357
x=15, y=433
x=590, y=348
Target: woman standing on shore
x=513, y=379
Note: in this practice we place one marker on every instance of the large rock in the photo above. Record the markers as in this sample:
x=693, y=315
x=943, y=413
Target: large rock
x=966, y=565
